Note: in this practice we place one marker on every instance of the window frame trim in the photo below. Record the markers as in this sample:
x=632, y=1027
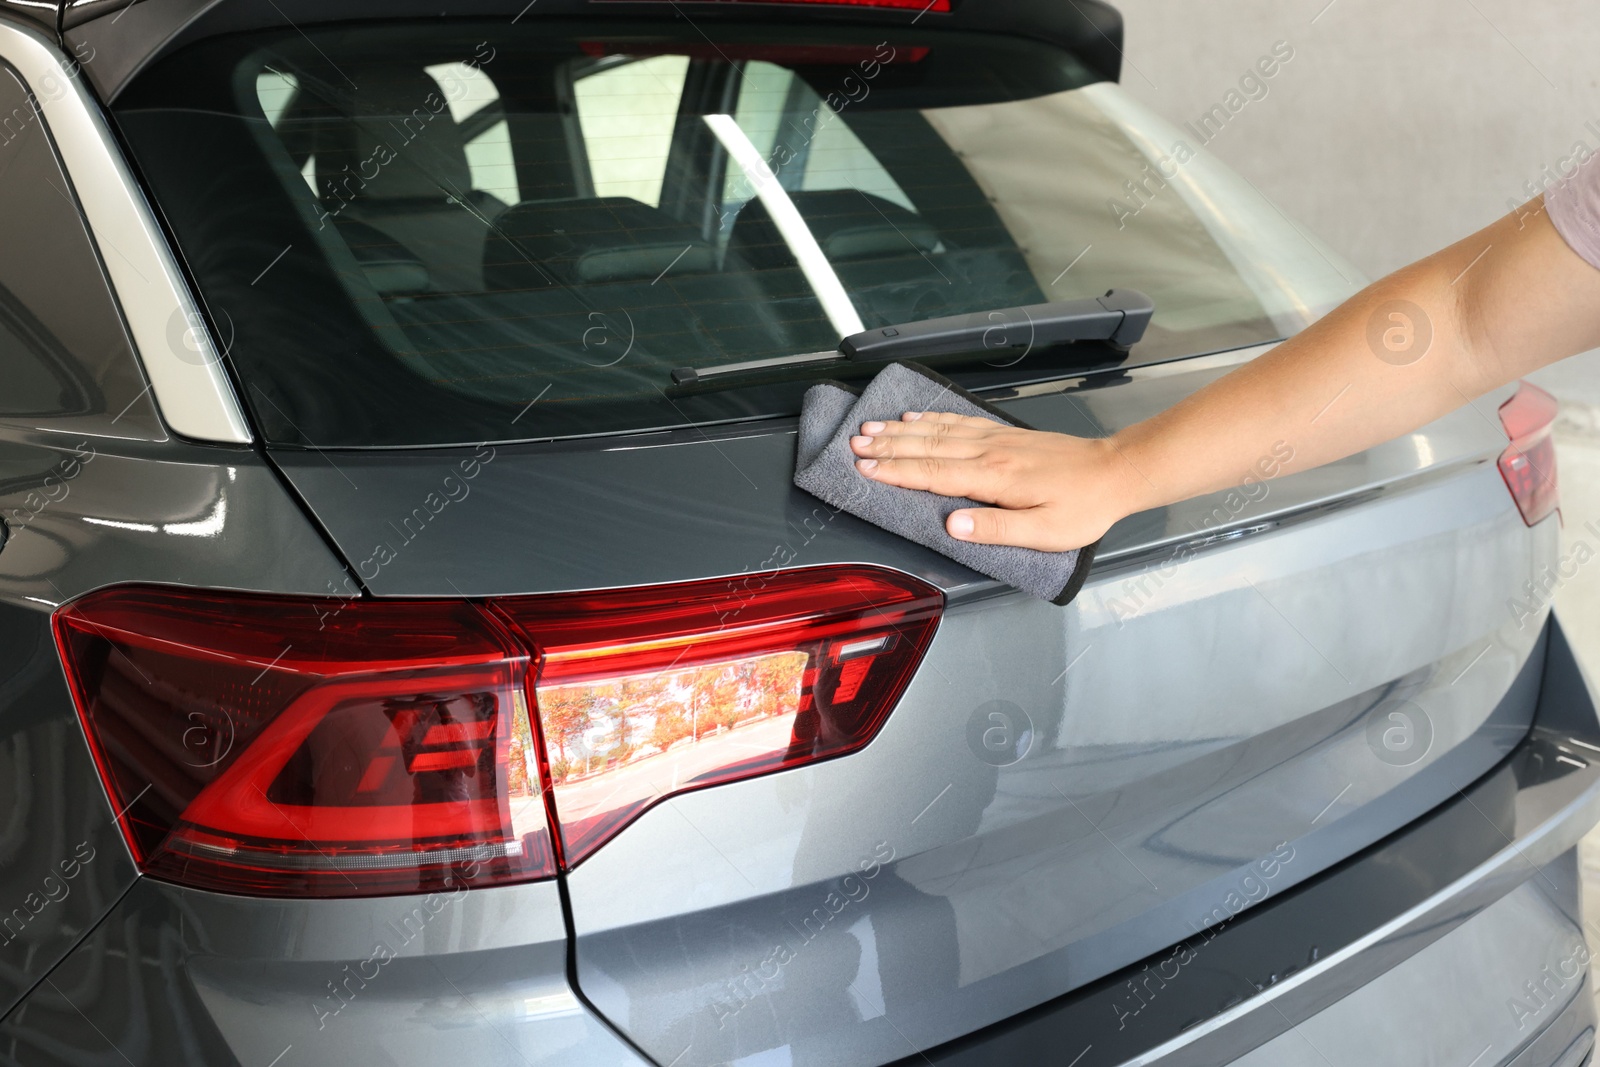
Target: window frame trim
x=193, y=394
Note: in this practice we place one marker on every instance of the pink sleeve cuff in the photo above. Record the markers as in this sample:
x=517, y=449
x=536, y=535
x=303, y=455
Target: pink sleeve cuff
x=1574, y=207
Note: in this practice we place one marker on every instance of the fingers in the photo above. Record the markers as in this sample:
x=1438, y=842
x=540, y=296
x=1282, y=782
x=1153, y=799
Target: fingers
x=1023, y=527
x=947, y=477
x=948, y=417
x=949, y=435
x=916, y=446
x=930, y=422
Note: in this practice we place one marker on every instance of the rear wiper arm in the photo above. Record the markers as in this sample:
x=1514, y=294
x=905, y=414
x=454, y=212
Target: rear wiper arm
x=1117, y=318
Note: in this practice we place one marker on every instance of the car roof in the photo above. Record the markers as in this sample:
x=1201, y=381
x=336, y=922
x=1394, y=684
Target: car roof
x=122, y=36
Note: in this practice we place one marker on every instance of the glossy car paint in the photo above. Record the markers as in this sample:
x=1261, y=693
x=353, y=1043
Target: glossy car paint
x=222, y=980
x=1299, y=952
x=943, y=909
x=168, y=512
x=1146, y=794
x=180, y=977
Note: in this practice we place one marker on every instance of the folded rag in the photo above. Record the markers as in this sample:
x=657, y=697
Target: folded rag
x=825, y=467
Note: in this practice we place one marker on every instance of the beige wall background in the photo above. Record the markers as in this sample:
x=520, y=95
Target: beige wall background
x=1399, y=125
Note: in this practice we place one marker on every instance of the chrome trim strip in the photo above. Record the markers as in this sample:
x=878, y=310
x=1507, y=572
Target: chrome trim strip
x=1120, y=562
x=1224, y=360
x=1140, y=556
x=187, y=381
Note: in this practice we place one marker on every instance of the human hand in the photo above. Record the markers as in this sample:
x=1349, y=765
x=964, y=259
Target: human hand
x=1052, y=492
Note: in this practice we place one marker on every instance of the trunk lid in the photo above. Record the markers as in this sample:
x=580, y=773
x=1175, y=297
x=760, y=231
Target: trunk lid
x=1252, y=685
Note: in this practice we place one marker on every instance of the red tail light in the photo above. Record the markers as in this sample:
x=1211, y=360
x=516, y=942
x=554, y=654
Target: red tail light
x=306, y=747
x=647, y=693
x=1528, y=464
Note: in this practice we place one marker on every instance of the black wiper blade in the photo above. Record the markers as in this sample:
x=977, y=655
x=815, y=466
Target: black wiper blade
x=1118, y=318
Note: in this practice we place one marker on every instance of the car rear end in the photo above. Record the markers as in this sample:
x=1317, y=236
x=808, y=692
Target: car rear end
x=456, y=683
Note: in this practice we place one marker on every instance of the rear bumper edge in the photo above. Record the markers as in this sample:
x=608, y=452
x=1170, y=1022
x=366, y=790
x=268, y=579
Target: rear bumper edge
x=1236, y=986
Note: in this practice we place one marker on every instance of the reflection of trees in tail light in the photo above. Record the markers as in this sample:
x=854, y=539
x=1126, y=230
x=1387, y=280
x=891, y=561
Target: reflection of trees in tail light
x=649, y=713
x=300, y=746
x=643, y=693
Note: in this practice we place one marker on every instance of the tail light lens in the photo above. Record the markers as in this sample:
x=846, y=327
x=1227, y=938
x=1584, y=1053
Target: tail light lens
x=647, y=693
x=289, y=746
x=1528, y=464
x=292, y=746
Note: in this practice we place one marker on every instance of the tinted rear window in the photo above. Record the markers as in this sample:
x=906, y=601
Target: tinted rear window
x=413, y=235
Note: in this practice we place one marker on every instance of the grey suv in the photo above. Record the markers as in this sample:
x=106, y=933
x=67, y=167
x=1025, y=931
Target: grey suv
x=406, y=662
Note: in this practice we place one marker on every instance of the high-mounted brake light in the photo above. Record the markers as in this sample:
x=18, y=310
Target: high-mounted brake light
x=1528, y=464
x=306, y=747
x=798, y=55
x=909, y=5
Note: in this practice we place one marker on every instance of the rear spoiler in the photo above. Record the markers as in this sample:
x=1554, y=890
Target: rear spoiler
x=114, y=39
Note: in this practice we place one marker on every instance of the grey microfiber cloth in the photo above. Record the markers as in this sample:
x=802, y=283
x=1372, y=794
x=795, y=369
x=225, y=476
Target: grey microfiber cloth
x=825, y=467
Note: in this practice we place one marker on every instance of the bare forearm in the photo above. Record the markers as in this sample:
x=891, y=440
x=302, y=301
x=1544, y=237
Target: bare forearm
x=1401, y=353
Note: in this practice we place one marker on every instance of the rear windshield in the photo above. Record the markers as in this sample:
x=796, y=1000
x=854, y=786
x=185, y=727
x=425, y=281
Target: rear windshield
x=410, y=235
